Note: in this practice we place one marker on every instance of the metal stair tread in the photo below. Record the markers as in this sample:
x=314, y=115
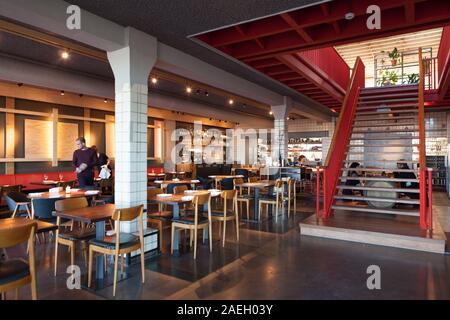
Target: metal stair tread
x=343, y=186
x=371, y=210
x=342, y=178
x=363, y=198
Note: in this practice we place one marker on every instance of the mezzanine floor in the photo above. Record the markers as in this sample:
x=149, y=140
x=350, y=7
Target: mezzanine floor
x=270, y=263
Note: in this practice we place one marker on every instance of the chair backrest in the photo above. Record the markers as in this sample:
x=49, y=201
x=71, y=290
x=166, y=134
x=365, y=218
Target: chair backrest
x=238, y=181
x=8, y=189
x=253, y=179
x=128, y=214
x=201, y=198
x=180, y=189
x=227, y=184
x=43, y=208
x=71, y=204
x=228, y=194
x=153, y=192
x=12, y=198
x=169, y=176
x=10, y=237
x=171, y=187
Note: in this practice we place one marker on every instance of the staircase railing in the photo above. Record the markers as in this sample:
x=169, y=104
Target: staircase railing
x=425, y=222
x=336, y=153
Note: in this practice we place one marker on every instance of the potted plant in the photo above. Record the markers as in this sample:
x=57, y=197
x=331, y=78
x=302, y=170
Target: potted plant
x=388, y=78
x=394, y=55
x=413, y=78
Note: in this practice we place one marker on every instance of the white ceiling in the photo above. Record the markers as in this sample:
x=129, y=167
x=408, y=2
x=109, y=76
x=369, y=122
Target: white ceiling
x=368, y=49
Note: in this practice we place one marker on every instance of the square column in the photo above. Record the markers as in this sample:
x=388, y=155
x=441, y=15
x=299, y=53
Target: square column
x=280, y=132
x=131, y=66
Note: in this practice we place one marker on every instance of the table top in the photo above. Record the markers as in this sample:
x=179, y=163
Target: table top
x=46, y=182
x=226, y=176
x=177, y=198
x=259, y=184
x=15, y=222
x=60, y=195
x=156, y=174
x=88, y=214
x=178, y=181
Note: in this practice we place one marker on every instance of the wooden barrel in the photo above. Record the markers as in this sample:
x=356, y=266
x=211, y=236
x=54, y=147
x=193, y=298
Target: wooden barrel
x=381, y=194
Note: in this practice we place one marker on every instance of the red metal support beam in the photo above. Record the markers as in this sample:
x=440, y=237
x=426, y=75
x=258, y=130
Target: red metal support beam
x=291, y=22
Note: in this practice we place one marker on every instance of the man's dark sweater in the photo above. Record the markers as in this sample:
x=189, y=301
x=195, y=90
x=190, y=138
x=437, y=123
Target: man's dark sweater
x=87, y=156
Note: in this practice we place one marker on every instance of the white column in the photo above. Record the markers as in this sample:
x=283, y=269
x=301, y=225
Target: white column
x=280, y=132
x=131, y=66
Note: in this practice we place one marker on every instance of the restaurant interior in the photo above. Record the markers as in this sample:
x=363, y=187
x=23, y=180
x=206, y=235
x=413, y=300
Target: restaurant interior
x=224, y=150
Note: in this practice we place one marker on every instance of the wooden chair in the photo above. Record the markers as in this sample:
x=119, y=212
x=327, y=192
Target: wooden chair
x=15, y=273
x=292, y=195
x=277, y=201
x=241, y=197
x=161, y=219
x=106, y=187
x=70, y=238
x=226, y=214
x=180, y=189
x=120, y=243
x=18, y=203
x=195, y=222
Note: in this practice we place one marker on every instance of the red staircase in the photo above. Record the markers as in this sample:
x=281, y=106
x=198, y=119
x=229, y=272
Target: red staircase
x=377, y=128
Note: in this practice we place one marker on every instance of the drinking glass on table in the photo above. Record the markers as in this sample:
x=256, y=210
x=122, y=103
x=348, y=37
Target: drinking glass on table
x=45, y=177
x=61, y=177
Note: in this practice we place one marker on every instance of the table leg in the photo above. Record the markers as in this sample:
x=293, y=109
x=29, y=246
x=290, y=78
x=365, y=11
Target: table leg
x=205, y=209
x=270, y=207
x=176, y=236
x=256, y=205
x=99, y=235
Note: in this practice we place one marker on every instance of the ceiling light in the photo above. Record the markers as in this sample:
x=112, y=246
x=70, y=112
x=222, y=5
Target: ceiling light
x=231, y=101
x=62, y=92
x=206, y=93
x=349, y=15
x=271, y=112
x=105, y=101
x=197, y=91
x=287, y=118
x=20, y=84
x=154, y=80
x=188, y=89
x=65, y=55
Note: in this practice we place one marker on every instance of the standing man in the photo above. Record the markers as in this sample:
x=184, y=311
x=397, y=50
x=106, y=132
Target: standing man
x=84, y=161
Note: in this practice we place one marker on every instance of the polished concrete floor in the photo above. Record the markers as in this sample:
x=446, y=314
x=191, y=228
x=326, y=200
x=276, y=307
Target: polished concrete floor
x=270, y=262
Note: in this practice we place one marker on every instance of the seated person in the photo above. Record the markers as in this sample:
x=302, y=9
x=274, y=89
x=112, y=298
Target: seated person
x=352, y=173
x=407, y=175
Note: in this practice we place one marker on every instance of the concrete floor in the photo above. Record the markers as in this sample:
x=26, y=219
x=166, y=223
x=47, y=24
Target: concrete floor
x=270, y=262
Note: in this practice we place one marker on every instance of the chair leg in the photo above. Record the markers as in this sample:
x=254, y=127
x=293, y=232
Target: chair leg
x=15, y=211
x=160, y=228
x=276, y=213
x=105, y=263
x=72, y=253
x=116, y=265
x=224, y=232
x=295, y=201
x=204, y=236
x=91, y=256
x=248, y=210
x=121, y=265
x=259, y=211
x=56, y=255
x=289, y=205
x=172, y=237
x=142, y=264
x=237, y=227
x=210, y=236
x=195, y=243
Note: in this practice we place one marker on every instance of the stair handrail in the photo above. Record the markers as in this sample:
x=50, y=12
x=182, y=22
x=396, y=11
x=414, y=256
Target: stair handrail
x=341, y=136
x=422, y=154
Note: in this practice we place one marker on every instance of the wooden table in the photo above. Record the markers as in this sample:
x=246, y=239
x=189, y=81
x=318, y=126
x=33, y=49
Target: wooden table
x=175, y=201
x=97, y=215
x=61, y=195
x=258, y=186
x=46, y=183
x=42, y=226
x=164, y=183
x=218, y=178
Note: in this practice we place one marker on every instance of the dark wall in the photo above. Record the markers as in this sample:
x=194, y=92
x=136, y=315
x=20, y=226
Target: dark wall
x=36, y=167
x=151, y=143
x=100, y=114
x=98, y=136
x=155, y=164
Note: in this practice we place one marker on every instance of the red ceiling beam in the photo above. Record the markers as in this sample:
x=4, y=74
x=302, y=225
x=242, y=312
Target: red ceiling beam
x=410, y=13
x=291, y=22
x=307, y=72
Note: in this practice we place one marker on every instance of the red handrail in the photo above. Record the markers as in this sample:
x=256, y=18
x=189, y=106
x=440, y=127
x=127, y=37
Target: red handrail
x=444, y=51
x=336, y=153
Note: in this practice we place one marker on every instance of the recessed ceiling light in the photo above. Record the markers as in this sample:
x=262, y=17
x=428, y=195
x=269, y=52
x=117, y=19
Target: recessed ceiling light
x=287, y=118
x=231, y=101
x=206, y=93
x=188, y=89
x=154, y=80
x=62, y=92
x=105, y=101
x=271, y=112
x=65, y=55
x=349, y=15
x=20, y=84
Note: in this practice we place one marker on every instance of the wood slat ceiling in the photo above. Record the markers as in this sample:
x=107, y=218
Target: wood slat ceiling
x=368, y=49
